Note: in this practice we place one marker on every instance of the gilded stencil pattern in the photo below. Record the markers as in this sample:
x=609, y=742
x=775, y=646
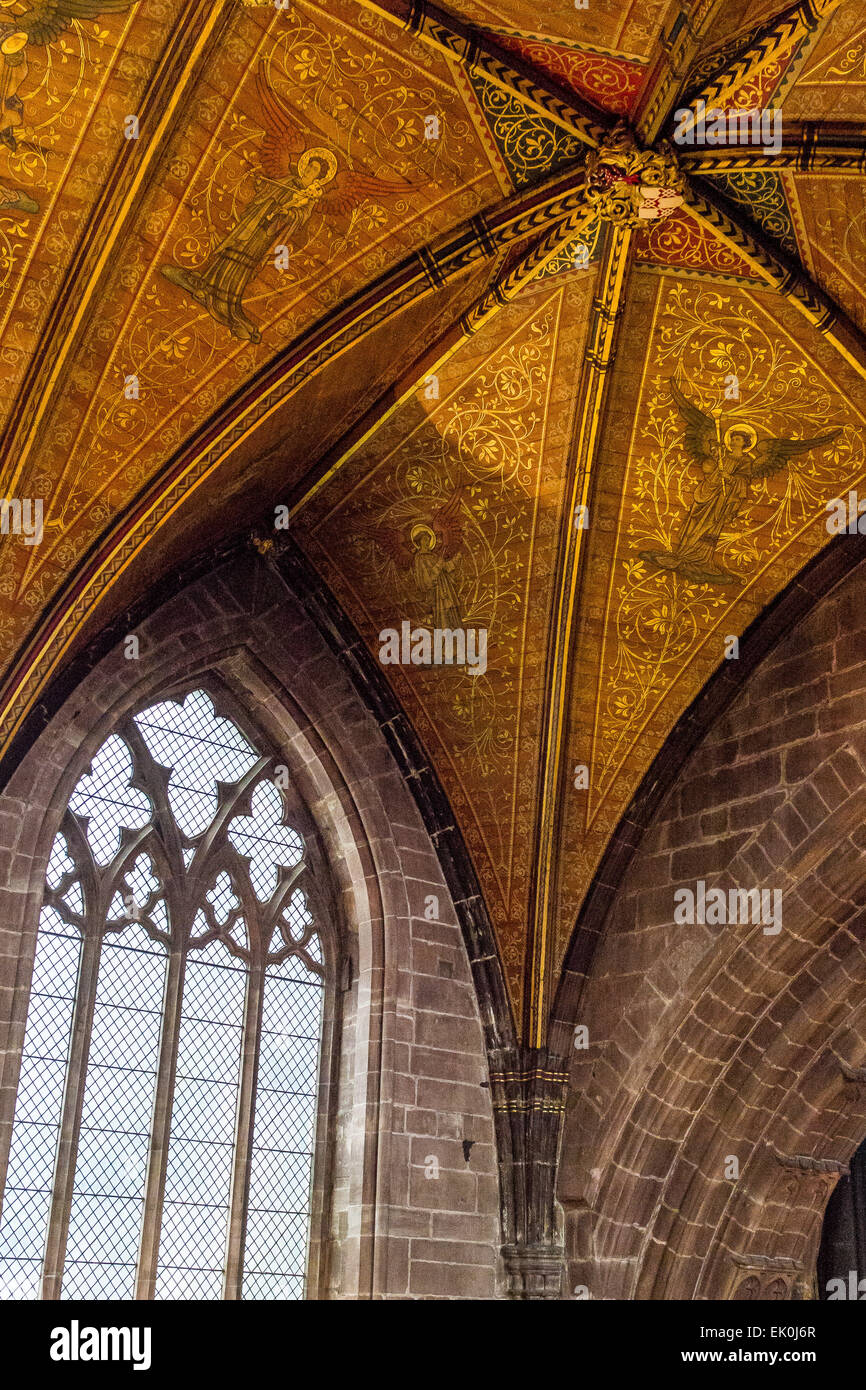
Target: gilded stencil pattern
x=659, y=619
x=761, y=194
x=834, y=217
x=578, y=254
x=477, y=460
x=362, y=101
x=679, y=240
x=51, y=65
x=382, y=119
x=627, y=26
x=531, y=146
x=759, y=92
x=845, y=65
x=770, y=58
x=609, y=82
x=707, y=64
x=13, y=239
x=471, y=471
x=829, y=82
x=58, y=80
x=44, y=67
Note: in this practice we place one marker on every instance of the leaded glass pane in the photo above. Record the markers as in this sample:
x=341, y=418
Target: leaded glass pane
x=282, y=1159
x=108, y=1199
x=177, y=918
x=267, y=843
x=200, y=749
x=38, y=1112
x=107, y=799
x=198, y=1178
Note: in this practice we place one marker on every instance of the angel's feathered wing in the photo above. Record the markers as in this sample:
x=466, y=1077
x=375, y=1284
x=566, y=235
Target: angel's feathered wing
x=46, y=21
x=351, y=188
x=772, y=454
x=287, y=134
x=447, y=524
x=393, y=543
x=700, y=428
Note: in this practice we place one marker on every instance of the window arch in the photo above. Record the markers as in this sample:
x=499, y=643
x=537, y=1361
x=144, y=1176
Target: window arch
x=841, y=1270
x=163, y=1139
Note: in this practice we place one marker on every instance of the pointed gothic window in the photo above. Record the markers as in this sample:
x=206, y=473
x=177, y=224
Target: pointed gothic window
x=163, y=1137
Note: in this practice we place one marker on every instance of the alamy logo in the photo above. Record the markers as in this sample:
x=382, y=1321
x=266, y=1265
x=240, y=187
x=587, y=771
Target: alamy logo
x=736, y=907
x=757, y=126
x=22, y=518
x=437, y=646
x=846, y=518
x=77, y=1343
x=855, y=1291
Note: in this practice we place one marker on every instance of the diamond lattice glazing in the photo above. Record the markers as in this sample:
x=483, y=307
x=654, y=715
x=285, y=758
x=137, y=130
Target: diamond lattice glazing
x=114, y=1142
x=285, y=1114
x=39, y=1108
x=167, y=888
x=198, y=1179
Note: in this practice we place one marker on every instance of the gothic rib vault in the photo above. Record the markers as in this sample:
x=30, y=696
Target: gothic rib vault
x=472, y=314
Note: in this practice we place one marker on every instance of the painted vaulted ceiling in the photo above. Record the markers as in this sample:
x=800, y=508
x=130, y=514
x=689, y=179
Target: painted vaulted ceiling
x=384, y=264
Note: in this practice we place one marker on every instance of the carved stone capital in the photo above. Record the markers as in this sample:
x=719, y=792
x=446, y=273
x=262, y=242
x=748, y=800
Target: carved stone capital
x=534, y=1271
x=770, y=1278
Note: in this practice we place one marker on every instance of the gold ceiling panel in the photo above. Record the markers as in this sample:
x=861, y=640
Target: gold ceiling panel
x=195, y=302
x=273, y=462
x=661, y=595
x=736, y=19
x=484, y=467
x=829, y=81
x=832, y=213
x=629, y=27
x=682, y=243
x=64, y=106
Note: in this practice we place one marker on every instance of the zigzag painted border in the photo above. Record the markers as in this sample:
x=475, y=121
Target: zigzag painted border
x=608, y=80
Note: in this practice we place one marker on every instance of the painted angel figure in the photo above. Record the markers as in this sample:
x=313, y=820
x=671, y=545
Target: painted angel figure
x=728, y=463
x=430, y=549
x=298, y=177
x=40, y=25
x=16, y=200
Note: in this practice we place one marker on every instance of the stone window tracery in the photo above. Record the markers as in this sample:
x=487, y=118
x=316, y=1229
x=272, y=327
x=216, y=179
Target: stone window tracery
x=164, y=1130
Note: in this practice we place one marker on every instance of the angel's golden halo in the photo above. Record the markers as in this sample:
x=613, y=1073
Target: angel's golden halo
x=13, y=43
x=748, y=431
x=422, y=529
x=327, y=161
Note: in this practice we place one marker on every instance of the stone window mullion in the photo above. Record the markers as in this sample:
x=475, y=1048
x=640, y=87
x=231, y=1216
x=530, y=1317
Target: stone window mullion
x=151, y=1225
x=236, y=1237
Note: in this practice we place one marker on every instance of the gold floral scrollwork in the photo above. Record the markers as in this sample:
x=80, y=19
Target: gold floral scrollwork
x=660, y=617
x=629, y=186
x=530, y=144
